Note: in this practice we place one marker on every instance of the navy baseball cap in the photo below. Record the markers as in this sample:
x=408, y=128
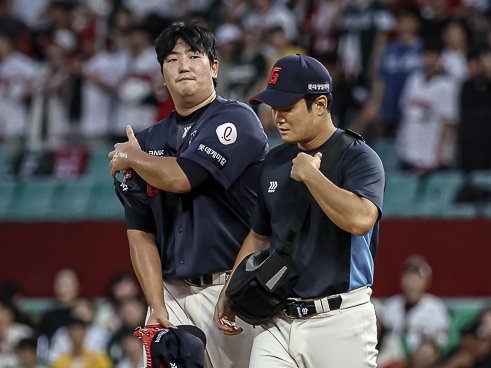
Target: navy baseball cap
x=181, y=347
x=293, y=77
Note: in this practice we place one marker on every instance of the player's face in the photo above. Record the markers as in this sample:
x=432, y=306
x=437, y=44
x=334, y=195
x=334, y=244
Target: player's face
x=189, y=75
x=296, y=123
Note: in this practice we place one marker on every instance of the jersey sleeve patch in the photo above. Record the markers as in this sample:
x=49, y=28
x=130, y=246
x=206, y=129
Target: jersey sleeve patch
x=227, y=133
x=217, y=158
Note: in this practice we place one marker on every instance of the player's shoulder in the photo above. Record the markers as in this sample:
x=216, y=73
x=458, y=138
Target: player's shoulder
x=157, y=130
x=280, y=153
x=233, y=110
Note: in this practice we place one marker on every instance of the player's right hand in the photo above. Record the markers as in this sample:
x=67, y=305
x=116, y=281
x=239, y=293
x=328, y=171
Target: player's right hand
x=160, y=316
x=225, y=318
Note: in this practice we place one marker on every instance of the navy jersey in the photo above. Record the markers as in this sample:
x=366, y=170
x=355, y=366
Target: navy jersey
x=200, y=232
x=331, y=260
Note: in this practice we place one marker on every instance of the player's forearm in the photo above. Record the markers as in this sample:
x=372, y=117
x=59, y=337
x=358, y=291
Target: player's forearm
x=161, y=172
x=148, y=269
x=347, y=210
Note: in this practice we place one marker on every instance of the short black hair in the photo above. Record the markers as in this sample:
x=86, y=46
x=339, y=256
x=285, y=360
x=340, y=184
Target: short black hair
x=27, y=343
x=199, y=39
x=310, y=98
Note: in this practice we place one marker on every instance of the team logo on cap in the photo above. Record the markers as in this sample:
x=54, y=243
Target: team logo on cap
x=273, y=78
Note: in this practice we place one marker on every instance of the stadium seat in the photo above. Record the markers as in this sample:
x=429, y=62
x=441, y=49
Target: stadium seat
x=481, y=178
x=72, y=199
x=98, y=166
x=461, y=313
x=5, y=160
x=400, y=194
x=103, y=203
x=385, y=148
x=7, y=189
x=437, y=195
x=33, y=199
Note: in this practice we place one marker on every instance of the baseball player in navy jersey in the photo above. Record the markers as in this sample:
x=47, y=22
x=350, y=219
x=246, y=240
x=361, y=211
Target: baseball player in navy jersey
x=189, y=187
x=329, y=321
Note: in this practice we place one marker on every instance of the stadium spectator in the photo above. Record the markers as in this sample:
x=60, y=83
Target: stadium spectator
x=426, y=136
x=79, y=354
x=457, y=41
x=414, y=314
x=53, y=89
x=390, y=347
x=132, y=352
x=401, y=57
x=473, y=351
x=426, y=355
x=121, y=287
x=12, y=293
x=27, y=354
x=11, y=333
x=474, y=128
x=139, y=83
x=66, y=287
x=96, y=337
x=131, y=313
x=16, y=74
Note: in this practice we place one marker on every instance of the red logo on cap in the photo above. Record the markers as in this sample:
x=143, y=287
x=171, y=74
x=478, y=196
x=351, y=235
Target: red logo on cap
x=273, y=78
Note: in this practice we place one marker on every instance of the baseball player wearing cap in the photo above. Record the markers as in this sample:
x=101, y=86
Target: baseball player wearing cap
x=329, y=321
x=189, y=190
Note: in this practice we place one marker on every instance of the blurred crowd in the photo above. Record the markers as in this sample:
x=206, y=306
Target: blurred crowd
x=418, y=72
x=71, y=330
x=414, y=327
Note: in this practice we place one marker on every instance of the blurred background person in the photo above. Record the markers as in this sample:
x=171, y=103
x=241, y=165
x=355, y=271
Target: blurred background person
x=132, y=352
x=80, y=355
x=53, y=89
x=391, y=352
x=425, y=140
x=139, y=83
x=120, y=288
x=402, y=56
x=474, y=132
x=66, y=289
x=95, y=339
x=426, y=355
x=416, y=315
x=11, y=333
x=27, y=354
x=457, y=43
x=17, y=71
x=363, y=28
x=131, y=313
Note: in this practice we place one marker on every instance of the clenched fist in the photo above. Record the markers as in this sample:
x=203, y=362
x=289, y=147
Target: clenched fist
x=303, y=164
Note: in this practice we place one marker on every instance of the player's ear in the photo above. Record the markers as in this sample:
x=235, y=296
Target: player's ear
x=321, y=104
x=214, y=69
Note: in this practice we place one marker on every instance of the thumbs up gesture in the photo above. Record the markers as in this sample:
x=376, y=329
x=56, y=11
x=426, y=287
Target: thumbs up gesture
x=120, y=157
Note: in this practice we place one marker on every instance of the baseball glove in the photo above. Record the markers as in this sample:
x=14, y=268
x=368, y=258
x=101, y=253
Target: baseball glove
x=146, y=334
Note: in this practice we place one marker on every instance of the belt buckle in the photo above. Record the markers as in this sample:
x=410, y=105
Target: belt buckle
x=298, y=306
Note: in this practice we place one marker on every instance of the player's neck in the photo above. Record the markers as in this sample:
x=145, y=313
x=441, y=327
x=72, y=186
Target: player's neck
x=188, y=110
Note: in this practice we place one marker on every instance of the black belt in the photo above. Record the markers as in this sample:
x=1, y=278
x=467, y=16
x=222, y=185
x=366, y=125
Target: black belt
x=205, y=280
x=306, y=308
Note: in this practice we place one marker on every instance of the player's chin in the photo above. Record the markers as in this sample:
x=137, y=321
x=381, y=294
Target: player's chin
x=287, y=137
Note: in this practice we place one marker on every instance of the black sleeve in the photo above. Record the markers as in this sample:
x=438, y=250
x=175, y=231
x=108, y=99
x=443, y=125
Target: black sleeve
x=195, y=173
x=138, y=213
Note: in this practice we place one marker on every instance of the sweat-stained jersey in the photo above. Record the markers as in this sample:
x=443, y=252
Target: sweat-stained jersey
x=200, y=232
